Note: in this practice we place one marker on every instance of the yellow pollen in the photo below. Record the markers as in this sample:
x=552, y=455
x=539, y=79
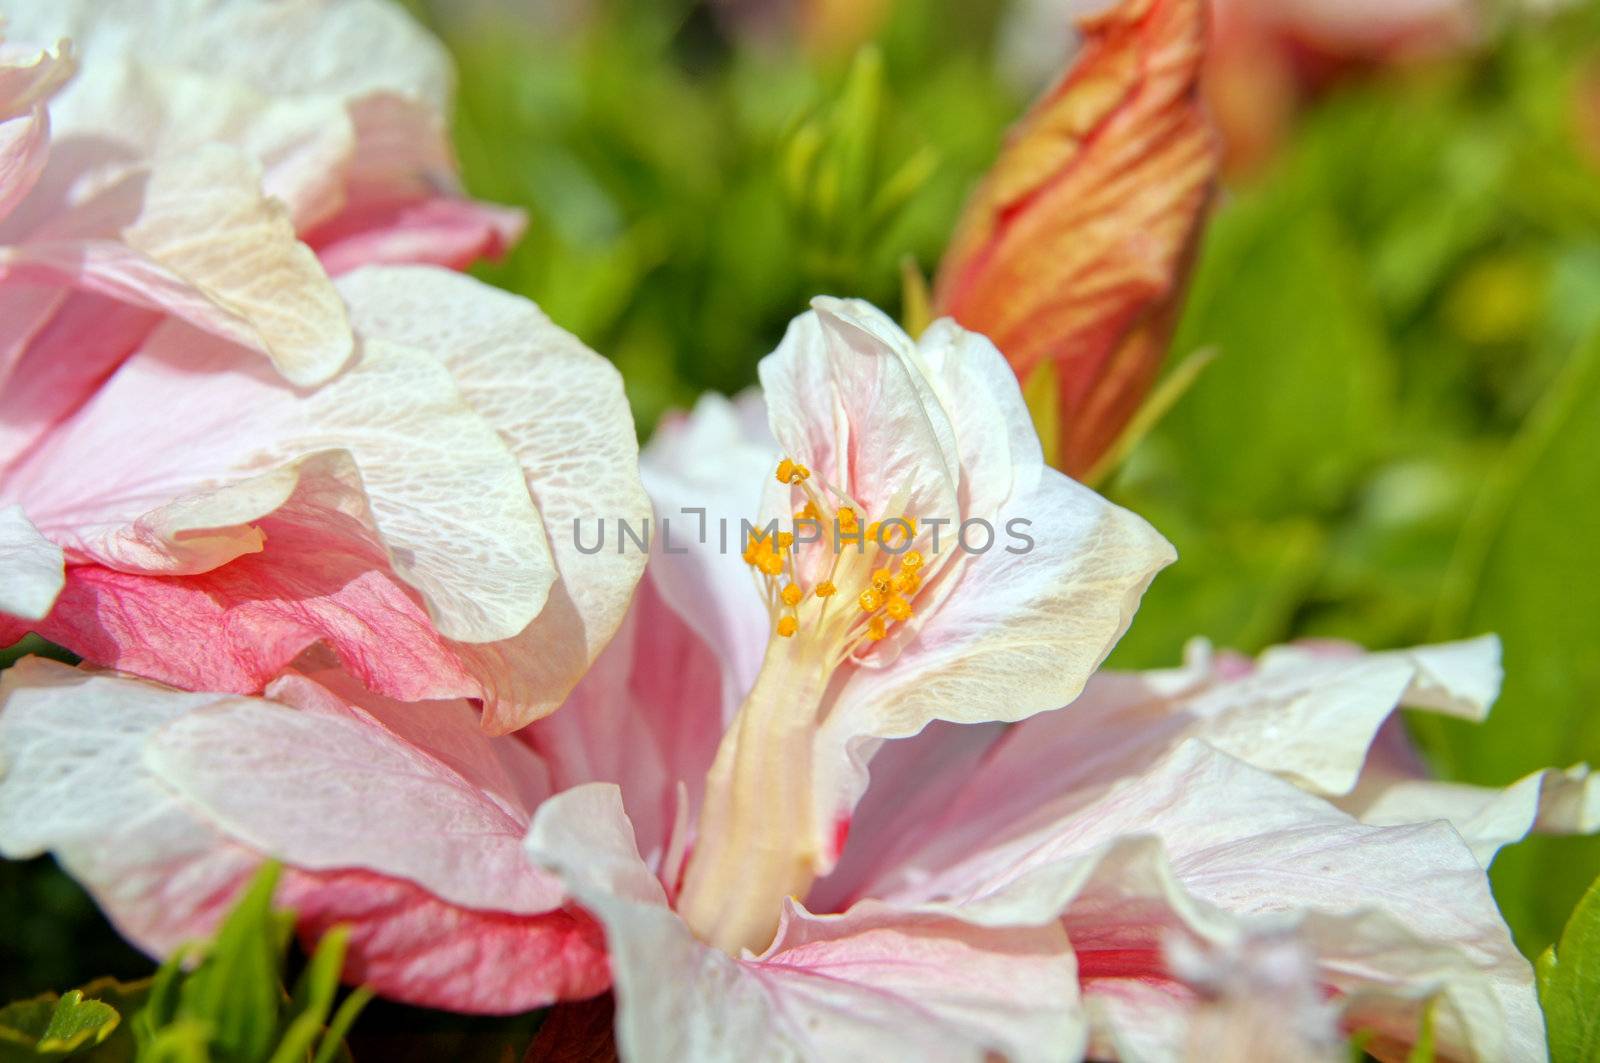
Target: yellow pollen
x=912, y=561
x=899, y=608
x=870, y=601
x=881, y=581
x=825, y=589
x=907, y=582
x=788, y=626
x=873, y=529
x=785, y=540
x=771, y=564
x=847, y=519
x=792, y=595
x=810, y=512
x=792, y=472
x=877, y=629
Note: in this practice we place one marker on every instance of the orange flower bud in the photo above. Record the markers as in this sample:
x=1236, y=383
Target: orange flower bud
x=1071, y=253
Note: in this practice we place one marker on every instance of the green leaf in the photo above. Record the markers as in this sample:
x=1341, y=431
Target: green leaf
x=1524, y=569
x=236, y=990
x=1423, y=1050
x=55, y=1027
x=1569, y=985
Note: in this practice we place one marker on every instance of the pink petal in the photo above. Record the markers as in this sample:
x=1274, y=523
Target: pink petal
x=1202, y=841
x=326, y=786
x=75, y=746
x=561, y=411
x=660, y=686
x=716, y=459
x=876, y=984
x=194, y=236
x=441, y=231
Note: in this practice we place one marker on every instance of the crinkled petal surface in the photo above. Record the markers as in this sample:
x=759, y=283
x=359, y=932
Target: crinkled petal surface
x=866, y=986
x=150, y=798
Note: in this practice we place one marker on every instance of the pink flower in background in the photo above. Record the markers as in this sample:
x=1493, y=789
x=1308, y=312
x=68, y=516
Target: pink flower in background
x=215, y=454
x=1138, y=870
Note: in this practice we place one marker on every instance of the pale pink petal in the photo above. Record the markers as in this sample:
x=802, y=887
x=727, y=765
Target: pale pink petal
x=1396, y=915
x=873, y=984
x=342, y=102
x=70, y=749
x=31, y=567
x=1395, y=788
x=845, y=397
x=343, y=48
x=329, y=787
x=561, y=410
x=391, y=442
x=705, y=472
x=24, y=144
x=195, y=237
x=647, y=717
x=442, y=231
x=29, y=75
x=73, y=746
x=61, y=346
x=413, y=947
x=322, y=576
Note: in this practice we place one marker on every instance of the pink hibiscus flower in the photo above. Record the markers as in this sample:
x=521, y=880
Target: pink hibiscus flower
x=906, y=856
x=216, y=454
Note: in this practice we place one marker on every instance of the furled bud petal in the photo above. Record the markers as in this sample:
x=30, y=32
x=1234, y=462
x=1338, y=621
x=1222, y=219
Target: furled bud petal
x=1071, y=252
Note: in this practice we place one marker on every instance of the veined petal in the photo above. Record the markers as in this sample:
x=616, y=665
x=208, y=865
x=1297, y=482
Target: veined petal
x=1202, y=841
x=1309, y=715
x=1078, y=237
x=846, y=397
x=24, y=146
x=561, y=410
x=714, y=459
x=195, y=236
x=77, y=750
x=867, y=985
x=243, y=446
x=659, y=684
x=325, y=785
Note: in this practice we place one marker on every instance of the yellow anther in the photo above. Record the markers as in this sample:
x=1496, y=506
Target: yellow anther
x=825, y=589
x=792, y=595
x=873, y=529
x=899, y=608
x=870, y=601
x=912, y=561
x=770, y=563
x=877, y=629
x=785, y=540
x=911, y=525
x=792, y=472
x=810, y=512
x=882, y=581
x=907, y=582
x=788, y=626
x=847, y=519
